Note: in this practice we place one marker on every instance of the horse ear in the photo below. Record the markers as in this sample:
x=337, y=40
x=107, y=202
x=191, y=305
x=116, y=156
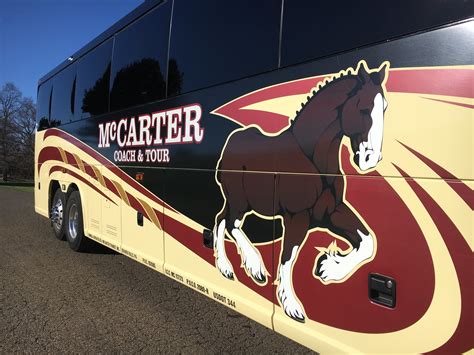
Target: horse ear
x=381, y=73
x=362, y=71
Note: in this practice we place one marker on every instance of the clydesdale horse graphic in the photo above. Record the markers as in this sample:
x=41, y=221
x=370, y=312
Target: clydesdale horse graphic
x=352, y=104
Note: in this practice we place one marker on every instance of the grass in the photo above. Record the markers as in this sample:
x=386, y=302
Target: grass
x=18, y=188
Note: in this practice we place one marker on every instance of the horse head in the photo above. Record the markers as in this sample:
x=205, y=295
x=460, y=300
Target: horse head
x=363, y=115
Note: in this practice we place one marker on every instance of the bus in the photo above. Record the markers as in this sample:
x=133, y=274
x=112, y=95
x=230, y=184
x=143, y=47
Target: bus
x=308, y=164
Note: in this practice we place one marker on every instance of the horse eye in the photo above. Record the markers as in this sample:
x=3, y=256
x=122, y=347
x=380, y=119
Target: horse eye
x=365, y=111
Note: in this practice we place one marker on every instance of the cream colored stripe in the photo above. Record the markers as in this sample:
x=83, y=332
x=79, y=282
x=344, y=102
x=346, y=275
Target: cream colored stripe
x=123, y=194
x=440, y=131
x=79, y=163
x=151, y=213
x=100, y=178
x=454, y=206
x=63, y=155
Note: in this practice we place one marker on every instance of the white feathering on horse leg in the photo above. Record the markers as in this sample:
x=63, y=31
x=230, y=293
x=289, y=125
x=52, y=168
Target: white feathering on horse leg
x=251, y=258
x=222, y=263
x=288, y=300
x=336, y=267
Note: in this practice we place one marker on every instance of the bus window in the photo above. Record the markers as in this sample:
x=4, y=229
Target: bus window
x=313, y=29
x=43, y=105
x=140, y=59
x=92, y=85
x=62, y=109
x=217, y=41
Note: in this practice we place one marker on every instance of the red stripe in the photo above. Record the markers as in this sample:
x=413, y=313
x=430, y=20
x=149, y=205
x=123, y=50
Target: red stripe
x=137, y=205
x=80, y=178
x=451, y=102
x=462, y=340
x=89, y=170
x=463, y=190
x=269, y=122
x=439, y=81
x=159, y=215
x=70, y=159
x=48, y=153
x=61, y=134
x=110, y=185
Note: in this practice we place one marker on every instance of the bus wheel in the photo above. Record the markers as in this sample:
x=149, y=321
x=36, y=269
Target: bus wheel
x=74, y=223
x=58, y=207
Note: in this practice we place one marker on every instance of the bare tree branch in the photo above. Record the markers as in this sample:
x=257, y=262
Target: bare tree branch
x=17, y=130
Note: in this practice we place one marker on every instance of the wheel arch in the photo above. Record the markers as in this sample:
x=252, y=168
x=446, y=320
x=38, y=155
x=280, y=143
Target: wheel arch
x=66, y=187
x=53, y=187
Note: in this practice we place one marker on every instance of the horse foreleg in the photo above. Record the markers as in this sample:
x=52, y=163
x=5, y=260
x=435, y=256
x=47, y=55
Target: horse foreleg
x=296, y=227
x=251, y=258
x=335, y=266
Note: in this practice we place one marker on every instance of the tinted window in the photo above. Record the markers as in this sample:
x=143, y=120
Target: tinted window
x=317, y=28
x=62, y=109
x=43, y=104
x=139, y=60
x=92, y=85
x=217, y=41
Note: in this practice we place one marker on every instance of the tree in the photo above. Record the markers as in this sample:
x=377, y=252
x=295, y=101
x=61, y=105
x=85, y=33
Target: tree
x=25, y=133
x=17, y=127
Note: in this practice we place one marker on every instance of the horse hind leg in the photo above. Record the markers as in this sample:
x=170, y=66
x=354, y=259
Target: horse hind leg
x=285, y=291
x=222, y=262
x=296, y=228
x=251, y=258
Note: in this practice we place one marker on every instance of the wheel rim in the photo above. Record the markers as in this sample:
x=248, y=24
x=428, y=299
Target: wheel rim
x=57, y=214
x=73, y=221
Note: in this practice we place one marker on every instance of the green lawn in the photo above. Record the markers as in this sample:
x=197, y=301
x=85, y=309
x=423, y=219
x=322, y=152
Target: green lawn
x=19, y=188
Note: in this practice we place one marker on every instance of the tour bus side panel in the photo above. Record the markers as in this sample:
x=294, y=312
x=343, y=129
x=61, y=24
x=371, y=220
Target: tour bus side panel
x=93, y=219
x=143, y=220
x=111, y=209
x=188, y=260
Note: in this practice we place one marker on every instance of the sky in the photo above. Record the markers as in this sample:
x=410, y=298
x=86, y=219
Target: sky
x=37, y=35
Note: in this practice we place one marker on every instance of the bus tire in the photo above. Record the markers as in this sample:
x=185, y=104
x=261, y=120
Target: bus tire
x=74, y=224
x=58, y=208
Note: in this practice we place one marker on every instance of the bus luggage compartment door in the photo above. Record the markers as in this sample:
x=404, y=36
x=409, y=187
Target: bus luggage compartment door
x=142, y=218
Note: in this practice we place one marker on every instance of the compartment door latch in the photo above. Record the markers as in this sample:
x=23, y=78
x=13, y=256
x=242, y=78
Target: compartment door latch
x=382, y=290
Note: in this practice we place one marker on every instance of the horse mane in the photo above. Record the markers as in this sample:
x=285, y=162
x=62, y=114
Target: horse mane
x=343, y=74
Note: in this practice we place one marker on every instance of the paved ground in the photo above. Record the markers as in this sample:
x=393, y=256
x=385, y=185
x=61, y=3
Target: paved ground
x=55, y=300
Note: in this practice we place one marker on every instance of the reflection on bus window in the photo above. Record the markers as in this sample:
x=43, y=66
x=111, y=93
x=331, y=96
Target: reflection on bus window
x=62, y=109
x=139, y=60
x=43, y=102
x=92, y=86
x=237, y=39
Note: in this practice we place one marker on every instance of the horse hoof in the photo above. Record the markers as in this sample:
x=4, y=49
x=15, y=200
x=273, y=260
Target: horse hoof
x=225, y=267
x=295, y=315
x=317, y=270
x=298, y=318
x=260, y=279
x=228, y=275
